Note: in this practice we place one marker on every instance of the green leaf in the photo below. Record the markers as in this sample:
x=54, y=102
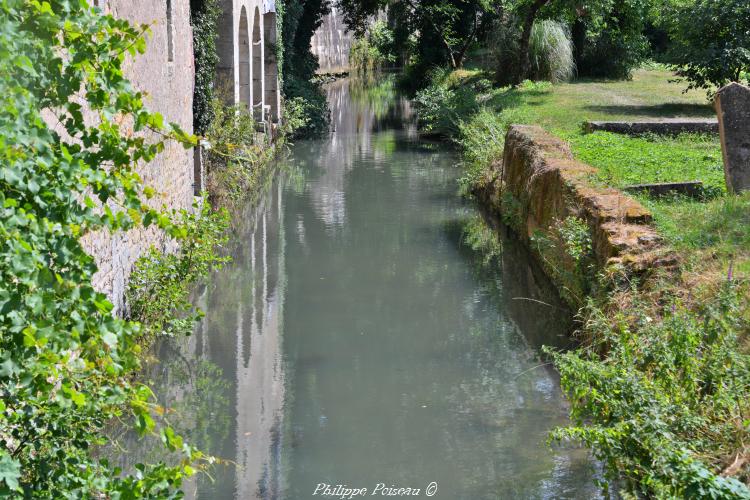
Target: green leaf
x=10, y=471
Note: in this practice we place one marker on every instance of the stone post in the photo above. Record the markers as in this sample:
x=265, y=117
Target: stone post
x=732, y=104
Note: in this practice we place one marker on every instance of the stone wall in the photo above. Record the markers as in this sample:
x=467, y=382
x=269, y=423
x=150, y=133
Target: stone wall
x=539, y=184
x=166, y=74
x=331, y=43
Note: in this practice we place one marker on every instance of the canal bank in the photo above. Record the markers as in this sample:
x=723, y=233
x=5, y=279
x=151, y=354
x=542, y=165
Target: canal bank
x=357, y=339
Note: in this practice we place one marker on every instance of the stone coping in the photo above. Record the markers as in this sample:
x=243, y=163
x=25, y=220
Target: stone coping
x=670, y=126
x=544, y=185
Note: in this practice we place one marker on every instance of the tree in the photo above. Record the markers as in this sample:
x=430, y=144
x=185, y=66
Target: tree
x=450, y=25
x=711, y=42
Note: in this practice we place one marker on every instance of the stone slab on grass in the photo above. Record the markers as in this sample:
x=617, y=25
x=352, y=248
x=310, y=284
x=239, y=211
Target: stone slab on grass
x=693, y=189
x=658, y=127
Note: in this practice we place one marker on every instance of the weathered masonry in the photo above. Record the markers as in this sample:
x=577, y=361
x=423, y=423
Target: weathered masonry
x=166, y=74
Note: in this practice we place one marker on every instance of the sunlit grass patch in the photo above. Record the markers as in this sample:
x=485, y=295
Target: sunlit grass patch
x=624, y=160
x=711, y=236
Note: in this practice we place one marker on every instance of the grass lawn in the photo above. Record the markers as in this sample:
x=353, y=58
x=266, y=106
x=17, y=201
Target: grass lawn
x=710, y=235
x=622, y=160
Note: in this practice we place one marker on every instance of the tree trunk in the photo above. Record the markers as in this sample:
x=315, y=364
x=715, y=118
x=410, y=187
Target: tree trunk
x=524, y=59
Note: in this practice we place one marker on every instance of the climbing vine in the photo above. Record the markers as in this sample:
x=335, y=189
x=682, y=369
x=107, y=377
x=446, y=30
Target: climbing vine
x=72, y=130
x=204, y=19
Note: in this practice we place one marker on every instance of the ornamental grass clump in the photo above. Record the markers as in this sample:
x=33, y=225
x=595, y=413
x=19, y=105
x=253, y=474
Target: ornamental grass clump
x=551, y=51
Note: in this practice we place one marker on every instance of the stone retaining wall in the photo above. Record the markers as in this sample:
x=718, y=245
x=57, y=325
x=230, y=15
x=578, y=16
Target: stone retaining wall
x=539, y=184
x=166, y=74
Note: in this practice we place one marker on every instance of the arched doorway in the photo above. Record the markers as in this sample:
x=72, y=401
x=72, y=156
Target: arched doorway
x=257, y=72
x=245, y=95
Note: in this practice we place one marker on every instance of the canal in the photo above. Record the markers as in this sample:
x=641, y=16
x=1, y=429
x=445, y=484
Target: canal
x=358, y=340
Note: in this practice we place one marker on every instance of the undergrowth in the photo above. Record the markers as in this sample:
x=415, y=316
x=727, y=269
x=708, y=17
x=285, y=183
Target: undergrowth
x=664, y=401
x=159, y=287
x=236, y=154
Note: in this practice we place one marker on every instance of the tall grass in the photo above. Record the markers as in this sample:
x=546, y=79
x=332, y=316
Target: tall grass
x=551, y=51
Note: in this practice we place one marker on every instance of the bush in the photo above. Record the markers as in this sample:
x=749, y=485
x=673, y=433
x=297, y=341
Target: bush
x=371, y=52
x=236, y=154
x=716, y=50
x=614, y=44
x=482, y=140
x=448, y=99
x=312, y=105
x=504, y=47
x=667, y=405
x=551, y=51
x=160, y=284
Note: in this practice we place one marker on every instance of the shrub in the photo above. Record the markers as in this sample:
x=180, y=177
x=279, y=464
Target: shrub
x=614, y=44
x=716, y=50
x=447, y=100
x=482, y=140
x=666, y=406
x=236, y=154
x=504, y=46
x=371, y=52
x=312, y=104
x=160, y=284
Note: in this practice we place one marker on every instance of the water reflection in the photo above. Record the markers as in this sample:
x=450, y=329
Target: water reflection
x=355, y=339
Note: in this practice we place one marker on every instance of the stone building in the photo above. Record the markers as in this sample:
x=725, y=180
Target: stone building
x=166, y=74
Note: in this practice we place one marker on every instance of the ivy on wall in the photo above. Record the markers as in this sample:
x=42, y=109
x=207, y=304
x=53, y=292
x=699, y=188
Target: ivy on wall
x=204, y=16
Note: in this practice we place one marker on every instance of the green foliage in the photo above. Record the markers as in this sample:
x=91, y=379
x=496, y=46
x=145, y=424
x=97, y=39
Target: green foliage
x=160, y=284
x=711, y=43
x=667, y=403
x=441, y=105
x=310, y=103
x=567, y=254
x=551, y=52
x=299, y=22
x=204, y=16
x=431, y=33
x=65, y=361
x=481, y=138
x=576, y=237
x=614, y=43
x=236, y=154
x=371, y=52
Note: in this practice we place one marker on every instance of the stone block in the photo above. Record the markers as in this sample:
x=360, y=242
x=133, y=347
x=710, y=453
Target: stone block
x=666, y=126
x=732, y=104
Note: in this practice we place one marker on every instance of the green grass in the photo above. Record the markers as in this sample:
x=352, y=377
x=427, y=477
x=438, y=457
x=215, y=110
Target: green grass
x=622, y=160
x=708, y=234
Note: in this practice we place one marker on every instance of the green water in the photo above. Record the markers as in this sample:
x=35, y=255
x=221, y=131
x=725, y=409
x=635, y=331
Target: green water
x=355, y=340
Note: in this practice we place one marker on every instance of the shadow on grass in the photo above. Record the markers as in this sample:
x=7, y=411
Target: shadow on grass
x=666, y=110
